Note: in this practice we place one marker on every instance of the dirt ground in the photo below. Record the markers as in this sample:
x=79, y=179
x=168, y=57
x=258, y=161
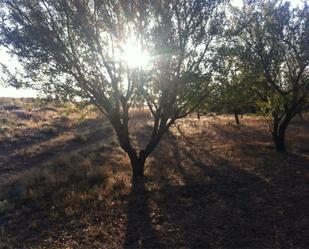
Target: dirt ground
x=65, y=183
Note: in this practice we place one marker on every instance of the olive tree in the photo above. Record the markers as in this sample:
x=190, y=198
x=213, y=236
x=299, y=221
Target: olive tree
x=76, y=47
x=234, y=87
x=277, y=37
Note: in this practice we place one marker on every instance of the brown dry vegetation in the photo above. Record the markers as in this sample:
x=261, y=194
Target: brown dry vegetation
x=65, y=183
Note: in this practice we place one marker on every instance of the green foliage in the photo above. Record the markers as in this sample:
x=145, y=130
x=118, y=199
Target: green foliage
x=73, y=49
x=234, y=88
x=277, y=38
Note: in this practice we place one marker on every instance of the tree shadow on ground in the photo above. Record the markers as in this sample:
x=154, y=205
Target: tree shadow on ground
x=295, y=139
x=223, y=206
x=18, y=162
x=140, y=232
x=217, y=204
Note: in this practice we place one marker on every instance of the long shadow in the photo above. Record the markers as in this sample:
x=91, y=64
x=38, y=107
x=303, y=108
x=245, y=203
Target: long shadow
x=32, y=136
x=21, y=163
x=241, y=133
x=244, y=132
x=177, y=155
x=29, y=137
x=140, y=232
x=235, y=209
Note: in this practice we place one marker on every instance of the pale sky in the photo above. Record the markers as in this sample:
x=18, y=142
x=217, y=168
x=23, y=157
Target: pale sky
x=6, y=59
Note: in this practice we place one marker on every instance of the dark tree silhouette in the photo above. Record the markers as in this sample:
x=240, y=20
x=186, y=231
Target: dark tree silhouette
x=277, y=37
x=74, y=47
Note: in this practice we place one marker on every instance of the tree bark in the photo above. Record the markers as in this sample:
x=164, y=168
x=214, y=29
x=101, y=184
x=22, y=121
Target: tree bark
x=138, y=166
x=279, y=140
x=278, y=134
x=198, y=114
x=236, y=117
x=138, y=159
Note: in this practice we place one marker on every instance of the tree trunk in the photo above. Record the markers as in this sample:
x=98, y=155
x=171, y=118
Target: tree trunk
x=236, y=117
x=138, y=166
x=279, y=142
x=198, y=114
x=279, y=136
x=138, y=159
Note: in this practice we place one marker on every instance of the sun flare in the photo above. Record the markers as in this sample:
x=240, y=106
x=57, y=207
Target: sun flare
x=134, y=55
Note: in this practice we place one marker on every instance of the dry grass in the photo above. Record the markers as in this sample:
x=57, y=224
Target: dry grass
x=209, y=184
x=140, y=113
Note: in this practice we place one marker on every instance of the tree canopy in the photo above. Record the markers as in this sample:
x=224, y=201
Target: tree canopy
x=75, y=47
x=277, y=37
x=169, y=55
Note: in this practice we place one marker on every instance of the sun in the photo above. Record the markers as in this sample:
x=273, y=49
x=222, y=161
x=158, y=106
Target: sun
x=134, y=56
